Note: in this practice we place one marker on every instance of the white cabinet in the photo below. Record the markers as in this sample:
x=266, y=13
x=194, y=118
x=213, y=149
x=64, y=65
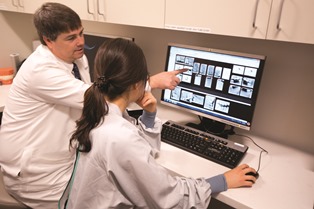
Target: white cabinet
x=244, y=18
x=12, y=5
x=92, y=10
x=292, y=20
x=30, y=6
x=284, y=20
x=84, y=8
x=136, y=12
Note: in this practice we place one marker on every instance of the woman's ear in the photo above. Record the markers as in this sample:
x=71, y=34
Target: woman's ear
x=134, y=86
x=138, y=85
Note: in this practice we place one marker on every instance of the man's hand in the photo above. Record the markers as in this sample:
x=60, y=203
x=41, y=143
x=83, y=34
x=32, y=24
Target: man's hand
x=165, y=80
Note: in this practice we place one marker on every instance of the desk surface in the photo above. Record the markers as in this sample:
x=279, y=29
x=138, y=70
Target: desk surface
x=286, y=175
x=4, y=91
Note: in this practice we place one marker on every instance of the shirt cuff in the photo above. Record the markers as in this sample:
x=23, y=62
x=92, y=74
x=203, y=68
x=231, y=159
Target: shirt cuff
x=148, y=118
x=148, y=88
x=217, y=183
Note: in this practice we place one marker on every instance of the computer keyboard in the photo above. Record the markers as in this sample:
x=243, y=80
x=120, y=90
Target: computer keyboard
x=203, y=144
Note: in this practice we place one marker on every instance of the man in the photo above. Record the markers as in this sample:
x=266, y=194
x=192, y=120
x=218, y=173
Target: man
x=44, y=102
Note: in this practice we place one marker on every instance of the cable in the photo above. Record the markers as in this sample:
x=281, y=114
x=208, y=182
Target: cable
x=224, y=133
x=260, y=154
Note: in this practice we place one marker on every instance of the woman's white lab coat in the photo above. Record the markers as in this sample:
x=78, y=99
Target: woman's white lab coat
x=120, y=171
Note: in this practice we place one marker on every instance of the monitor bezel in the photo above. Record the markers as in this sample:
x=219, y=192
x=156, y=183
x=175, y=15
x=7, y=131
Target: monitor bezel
x=228, y=52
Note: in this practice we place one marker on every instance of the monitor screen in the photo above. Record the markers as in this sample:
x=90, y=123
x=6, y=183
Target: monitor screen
x=92, y=43
x=219, y=85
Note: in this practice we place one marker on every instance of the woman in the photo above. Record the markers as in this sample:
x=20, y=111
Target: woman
x=116, y=166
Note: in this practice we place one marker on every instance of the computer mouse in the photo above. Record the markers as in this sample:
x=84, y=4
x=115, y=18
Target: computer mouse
x=256, y=175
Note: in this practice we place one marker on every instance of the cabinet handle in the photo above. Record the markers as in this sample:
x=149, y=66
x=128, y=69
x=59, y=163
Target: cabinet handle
x=20, y=2
x=255, y=14
x=15, y=4
x=98, y=9
x=88, y=9
x=280, y=14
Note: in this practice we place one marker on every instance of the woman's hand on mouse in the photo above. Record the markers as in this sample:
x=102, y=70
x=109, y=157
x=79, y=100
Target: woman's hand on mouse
x=237, y=177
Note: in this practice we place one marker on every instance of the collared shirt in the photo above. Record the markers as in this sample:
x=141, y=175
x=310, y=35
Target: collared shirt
x=39, y=116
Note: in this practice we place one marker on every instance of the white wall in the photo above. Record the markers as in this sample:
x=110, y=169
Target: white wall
x=285, y=108
x=16, y=35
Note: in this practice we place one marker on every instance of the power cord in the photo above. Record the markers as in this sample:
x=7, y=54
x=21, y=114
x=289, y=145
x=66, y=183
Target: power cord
x=225, y=132
x=260, y=154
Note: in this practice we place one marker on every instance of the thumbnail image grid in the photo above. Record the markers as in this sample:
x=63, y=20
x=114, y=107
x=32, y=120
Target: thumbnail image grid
x=236, y=80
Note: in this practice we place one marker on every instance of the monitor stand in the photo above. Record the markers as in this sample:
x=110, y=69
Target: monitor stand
x=213, y=127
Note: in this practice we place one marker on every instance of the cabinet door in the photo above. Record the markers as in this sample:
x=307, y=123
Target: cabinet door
x=136, y=12
x=30, y=6
x=85, y=8
x=12, y=5
x=292, y=20
x=244, y=18
x=25, y=6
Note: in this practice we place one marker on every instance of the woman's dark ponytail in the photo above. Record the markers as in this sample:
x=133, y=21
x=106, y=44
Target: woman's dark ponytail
x=95, y=107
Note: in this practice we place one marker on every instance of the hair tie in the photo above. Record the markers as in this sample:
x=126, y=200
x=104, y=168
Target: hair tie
x=101, y=82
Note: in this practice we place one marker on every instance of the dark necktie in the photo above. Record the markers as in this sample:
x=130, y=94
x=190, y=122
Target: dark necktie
x=76, y=72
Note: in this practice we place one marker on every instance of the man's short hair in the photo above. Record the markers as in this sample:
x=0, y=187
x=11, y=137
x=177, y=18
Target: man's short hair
x=52, y=19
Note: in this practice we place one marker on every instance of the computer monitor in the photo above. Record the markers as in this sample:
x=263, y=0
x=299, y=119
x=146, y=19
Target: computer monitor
x=92, y=43
x=219, y=86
